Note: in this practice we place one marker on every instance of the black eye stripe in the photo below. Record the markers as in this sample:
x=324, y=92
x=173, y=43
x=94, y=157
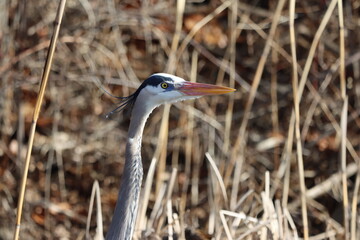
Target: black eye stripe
x=153, y=80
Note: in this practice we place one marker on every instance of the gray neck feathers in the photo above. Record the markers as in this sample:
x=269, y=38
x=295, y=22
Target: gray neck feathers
x=123, y=221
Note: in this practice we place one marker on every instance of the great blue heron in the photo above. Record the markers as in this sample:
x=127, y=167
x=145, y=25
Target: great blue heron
x=158, y=89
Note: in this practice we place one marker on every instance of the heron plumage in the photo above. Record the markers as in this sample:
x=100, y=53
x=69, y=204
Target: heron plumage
x=158, y=89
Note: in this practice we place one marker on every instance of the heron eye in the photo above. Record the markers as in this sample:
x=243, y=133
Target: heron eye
x=164, y=85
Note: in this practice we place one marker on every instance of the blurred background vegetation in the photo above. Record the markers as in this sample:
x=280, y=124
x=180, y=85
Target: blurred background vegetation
x=114, y=45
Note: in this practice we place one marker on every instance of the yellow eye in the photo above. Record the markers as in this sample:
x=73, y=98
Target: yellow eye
x=164, y=85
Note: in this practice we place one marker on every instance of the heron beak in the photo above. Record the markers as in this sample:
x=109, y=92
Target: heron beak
x=202, y=89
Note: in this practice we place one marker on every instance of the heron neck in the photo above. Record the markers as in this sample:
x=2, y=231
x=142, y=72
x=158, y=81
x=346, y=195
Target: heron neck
x=139, y=115
x=124, y=219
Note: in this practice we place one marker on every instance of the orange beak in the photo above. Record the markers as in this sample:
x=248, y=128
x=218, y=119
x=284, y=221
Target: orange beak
x=202, y=89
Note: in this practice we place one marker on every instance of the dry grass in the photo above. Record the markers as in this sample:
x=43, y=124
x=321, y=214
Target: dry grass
x=278, y=159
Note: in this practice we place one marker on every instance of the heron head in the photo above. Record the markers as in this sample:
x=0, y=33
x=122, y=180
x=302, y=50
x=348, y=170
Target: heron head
x=161, y=88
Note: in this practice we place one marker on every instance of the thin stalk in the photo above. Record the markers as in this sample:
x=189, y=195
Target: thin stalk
x=314, y=45
x=37, y=109
x=295, y=82
x=95, y=193
x=274, y=101
x=189, y=143
x=343, y=119
x=141, y=219
x=232, y=49
x=180, y=8
x=342, y=50
x=343, y=168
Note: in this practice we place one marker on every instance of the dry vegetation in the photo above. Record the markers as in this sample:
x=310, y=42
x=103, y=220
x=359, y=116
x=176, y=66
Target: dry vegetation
x=228, y=167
